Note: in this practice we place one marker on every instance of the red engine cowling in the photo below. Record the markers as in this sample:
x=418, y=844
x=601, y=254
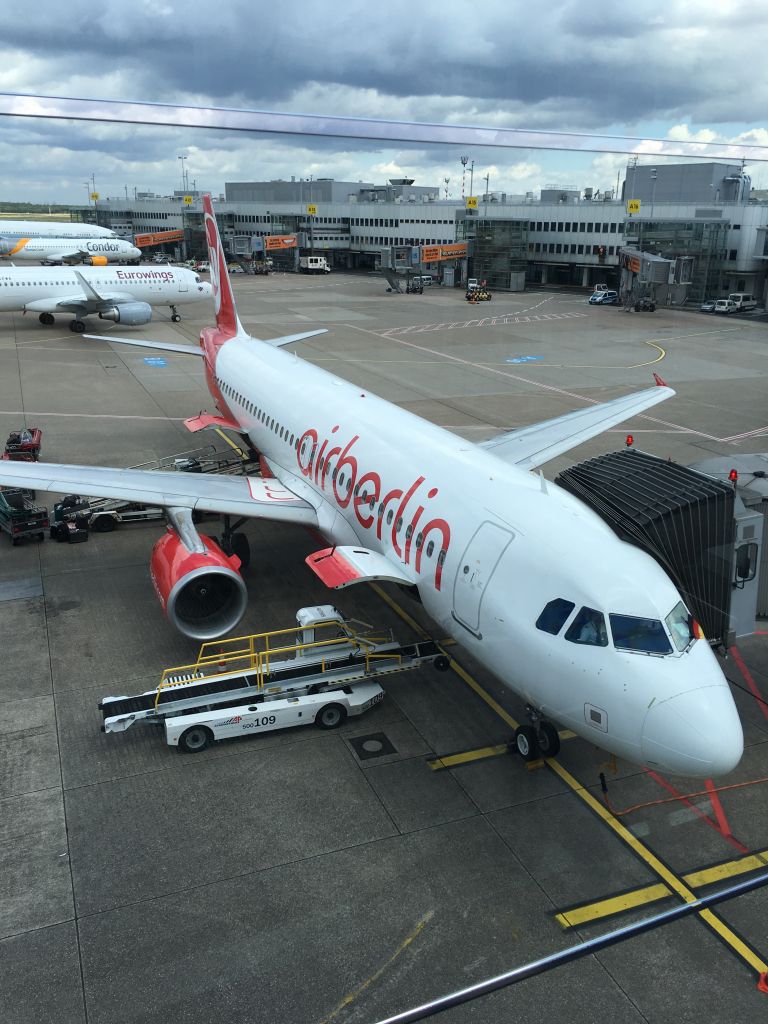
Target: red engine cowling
x=202, y=594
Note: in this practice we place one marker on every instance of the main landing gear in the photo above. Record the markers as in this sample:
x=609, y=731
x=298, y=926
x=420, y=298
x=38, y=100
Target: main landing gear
x=46, y=319
x=77, y=326
x=234, y=543
x=175, y=315
x=539, y=739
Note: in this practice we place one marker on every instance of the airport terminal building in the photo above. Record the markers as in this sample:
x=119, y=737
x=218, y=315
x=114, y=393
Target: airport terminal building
x=702, y=219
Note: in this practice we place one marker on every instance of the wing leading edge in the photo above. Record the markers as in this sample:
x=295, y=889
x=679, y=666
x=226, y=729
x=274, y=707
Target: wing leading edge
x=532, y=446
x=241, y=496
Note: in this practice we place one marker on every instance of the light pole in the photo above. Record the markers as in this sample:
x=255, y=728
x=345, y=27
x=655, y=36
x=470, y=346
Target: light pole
x=184, y=185
x=471, y=177
x=464, y=162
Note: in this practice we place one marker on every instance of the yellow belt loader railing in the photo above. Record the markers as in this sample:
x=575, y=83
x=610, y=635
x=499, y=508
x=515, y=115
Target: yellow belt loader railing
x=256, y=652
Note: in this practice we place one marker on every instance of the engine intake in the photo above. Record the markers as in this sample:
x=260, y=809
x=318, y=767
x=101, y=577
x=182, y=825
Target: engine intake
x=202, y=594
x=131, y=313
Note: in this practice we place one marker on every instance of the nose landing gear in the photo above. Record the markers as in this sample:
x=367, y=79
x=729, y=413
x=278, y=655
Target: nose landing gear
x=539, y=739
x=175, y=315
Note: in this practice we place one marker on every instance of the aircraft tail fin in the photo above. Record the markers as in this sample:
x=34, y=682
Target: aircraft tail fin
x=227, y=320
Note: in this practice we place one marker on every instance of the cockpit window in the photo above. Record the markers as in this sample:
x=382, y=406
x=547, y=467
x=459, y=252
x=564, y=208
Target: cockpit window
x=552, y=619
x=588, y=628
x=635, y=634
x=680, y=626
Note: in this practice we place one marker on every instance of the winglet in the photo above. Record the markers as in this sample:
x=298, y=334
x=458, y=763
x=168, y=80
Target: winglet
x=89, y=290
x=659, y=382
x=224, y=303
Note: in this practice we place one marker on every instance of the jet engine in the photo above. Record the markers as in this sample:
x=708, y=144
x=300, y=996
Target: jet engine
x=99, y=261
x=202, y=593
x=130, y=313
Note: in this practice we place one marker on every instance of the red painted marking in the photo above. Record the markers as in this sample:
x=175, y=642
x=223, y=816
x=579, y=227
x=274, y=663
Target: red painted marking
x=747, y=675
x=717, y=807
x=762, y=982
x=704, y=817
x=266, y=472
x=332, y=568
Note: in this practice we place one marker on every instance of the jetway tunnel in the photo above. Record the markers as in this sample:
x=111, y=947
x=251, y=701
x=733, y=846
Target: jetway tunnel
x=696, y=526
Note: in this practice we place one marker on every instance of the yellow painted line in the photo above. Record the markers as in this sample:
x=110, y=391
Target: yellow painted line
x=675, y=884
x=653, y=893
x=230, y=442
x=355, y=993
x=650, y=362
x=481, y=753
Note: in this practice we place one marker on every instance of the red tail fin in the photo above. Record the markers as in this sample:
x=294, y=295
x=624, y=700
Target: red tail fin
x=224, y=303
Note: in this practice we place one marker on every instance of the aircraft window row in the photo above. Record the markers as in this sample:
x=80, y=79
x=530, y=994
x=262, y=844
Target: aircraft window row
x=251, y=407
x=629, y=632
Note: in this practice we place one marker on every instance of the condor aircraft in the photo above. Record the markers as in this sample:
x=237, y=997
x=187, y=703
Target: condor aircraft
x=96, y=251
x=16, y=229
x=586, y=628
x=123, y=295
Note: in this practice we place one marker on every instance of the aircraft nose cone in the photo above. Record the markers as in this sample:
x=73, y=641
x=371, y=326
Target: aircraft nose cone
x=696, y=733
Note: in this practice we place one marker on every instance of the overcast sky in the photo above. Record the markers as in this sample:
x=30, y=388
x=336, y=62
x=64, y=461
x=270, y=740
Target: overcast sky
x=672, y=69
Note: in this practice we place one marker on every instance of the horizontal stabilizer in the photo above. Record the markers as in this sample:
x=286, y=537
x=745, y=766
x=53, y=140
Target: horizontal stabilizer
x=207, y=420
x=532, y=446
x=342, y=566
x=161, y=346
x=279, y=342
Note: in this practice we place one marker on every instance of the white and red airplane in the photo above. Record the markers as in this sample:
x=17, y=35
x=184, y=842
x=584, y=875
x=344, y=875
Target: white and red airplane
x=586, y=628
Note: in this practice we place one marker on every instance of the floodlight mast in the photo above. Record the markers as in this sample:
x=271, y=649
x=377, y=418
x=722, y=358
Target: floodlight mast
x=233, y=119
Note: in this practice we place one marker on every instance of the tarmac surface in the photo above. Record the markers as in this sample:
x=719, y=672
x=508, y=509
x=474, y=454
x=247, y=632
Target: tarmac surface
x=298, y=876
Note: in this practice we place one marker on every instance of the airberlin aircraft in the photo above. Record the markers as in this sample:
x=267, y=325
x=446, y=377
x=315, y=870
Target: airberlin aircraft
x=586, y=628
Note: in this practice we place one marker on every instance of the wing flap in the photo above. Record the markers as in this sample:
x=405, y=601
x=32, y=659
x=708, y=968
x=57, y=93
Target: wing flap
x=240, y=496
x=532, y=446
x=340, y=567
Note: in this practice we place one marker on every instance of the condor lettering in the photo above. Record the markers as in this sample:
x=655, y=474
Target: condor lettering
x=400, y=511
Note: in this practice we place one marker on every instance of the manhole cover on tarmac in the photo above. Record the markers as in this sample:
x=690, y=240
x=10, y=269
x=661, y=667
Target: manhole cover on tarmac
x=375, y=744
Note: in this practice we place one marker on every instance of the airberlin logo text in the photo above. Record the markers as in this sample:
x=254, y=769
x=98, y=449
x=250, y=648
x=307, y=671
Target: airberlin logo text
x=401, y=512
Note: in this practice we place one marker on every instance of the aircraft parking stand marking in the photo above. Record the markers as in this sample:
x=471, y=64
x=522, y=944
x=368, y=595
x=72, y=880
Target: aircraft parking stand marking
x=486, y=321
x=586, y=913
x=674, y=884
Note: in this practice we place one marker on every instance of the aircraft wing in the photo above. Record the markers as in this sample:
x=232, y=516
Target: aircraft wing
x=233, y=495
x=532, y=446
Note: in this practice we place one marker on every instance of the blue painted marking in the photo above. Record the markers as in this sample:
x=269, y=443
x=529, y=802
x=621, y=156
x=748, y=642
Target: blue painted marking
x=155, y=361
x=525, y=359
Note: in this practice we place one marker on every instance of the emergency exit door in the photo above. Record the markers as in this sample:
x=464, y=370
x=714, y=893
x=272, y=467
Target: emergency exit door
x=476, y=567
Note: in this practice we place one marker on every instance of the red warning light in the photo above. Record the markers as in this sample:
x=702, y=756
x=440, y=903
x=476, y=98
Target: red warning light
x=733, y=476
x=630, y=440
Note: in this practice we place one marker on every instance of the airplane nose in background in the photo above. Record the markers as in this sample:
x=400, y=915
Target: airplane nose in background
x=695, y=733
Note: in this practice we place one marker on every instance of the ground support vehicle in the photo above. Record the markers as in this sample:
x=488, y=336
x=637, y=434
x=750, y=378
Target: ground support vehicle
x=320, y=671
x=645, y=305
x=313, y=265
x=23, y=445
x=19, y=517
x=478, y=295
x=70, y=519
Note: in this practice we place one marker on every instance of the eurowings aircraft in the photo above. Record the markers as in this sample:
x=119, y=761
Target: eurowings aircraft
x=15, y=229
x=588, y=629
x=96, y=251
x=125, y=295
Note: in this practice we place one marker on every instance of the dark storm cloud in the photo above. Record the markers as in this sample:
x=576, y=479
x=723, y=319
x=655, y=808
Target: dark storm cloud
x=594, y=67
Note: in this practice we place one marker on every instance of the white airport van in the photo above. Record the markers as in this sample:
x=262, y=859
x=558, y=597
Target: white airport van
x=725, y=306
x=743, y=300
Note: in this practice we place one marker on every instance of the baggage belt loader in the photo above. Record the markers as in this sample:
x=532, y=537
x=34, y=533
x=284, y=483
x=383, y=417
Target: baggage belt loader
x=319, y=673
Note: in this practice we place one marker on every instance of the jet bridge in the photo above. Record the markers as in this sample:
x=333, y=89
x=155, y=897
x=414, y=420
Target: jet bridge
x=694, y=525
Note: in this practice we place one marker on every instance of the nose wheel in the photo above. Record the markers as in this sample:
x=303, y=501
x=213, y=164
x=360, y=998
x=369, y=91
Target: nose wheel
x=539, y=739
x=175, y=315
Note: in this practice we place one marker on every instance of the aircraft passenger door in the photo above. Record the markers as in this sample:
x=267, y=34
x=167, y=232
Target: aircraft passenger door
x=183, y=287
x=476, y=567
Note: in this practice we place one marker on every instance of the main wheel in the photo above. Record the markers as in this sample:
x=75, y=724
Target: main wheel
x=526, y=743
x=331, y=716
x=549, y=740
x=196, y=738
x=77, y=326
x=46, y=319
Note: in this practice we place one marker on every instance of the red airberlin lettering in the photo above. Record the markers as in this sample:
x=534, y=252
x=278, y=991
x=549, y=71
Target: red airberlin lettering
x=364, y=491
